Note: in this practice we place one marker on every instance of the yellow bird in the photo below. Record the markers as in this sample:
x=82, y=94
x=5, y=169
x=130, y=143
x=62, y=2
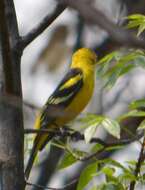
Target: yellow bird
x=67, y=101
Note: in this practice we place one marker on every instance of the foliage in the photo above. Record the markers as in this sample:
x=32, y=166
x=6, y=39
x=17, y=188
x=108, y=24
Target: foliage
x=137, y=21
x=119, y=63
x=91, y=122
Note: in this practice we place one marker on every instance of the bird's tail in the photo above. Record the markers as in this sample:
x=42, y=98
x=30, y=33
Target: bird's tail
x=39, y=143
x=32, y=157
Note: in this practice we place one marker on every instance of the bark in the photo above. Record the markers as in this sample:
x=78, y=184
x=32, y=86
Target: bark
x=11, y=119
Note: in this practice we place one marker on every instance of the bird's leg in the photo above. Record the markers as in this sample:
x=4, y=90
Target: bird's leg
x=67, y=129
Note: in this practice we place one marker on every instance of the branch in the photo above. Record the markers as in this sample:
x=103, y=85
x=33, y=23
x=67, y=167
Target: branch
x=138, y=165
x=52, y=188
x=77, y=136
x=86, y=157
x=96, y=17
x=96, y=154
x=35, y=32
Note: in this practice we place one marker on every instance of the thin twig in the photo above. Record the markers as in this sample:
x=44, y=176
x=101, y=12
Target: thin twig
x=52, y=188
x=94, y=155
x=86, y=157
x=41, y=187
x=77, y=136
x=47, y=20
x=138, y=165
x=95, y=16
x=133, y=135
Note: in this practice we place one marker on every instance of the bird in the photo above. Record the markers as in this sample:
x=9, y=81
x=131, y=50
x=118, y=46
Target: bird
x=67, y=101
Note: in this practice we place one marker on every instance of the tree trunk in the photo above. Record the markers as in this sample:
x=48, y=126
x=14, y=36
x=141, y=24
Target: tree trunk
x=11, y=118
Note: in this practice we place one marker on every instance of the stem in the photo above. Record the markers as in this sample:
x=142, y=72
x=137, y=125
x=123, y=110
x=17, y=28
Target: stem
x=138, y=165
x=77, y=136
x=51, y=188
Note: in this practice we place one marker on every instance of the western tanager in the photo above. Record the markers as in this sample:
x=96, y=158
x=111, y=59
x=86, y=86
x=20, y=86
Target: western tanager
x=67, y=101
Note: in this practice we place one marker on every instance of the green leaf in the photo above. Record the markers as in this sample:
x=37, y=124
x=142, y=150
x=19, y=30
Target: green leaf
x=90, y=120
x=91, y=123
x=111, y=126
x=133, y=113
x=121, y=67
x=135, y=16
x=131, y=162
x=115, y=65
x=104, y=63
x=126, y=69
x=67, y=161
x=113, y=163
x=109, y=171
x=111, y=80
x=88, y=117
x=141, y=29
x=109, y=57
x=87, y=175
x=96, y=147
x=90, y=131
x=137, y=104
x=126, y=177
x=133, y=24
x=137, y=20
x=142, y=125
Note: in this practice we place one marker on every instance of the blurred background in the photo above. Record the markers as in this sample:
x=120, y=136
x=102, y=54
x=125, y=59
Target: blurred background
x=45, y=61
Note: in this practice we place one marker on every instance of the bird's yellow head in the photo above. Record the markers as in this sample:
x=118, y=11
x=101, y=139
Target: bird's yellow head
x=84, y=57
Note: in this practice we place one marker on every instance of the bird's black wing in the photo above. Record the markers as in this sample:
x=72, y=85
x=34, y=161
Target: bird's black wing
x=62, y=96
